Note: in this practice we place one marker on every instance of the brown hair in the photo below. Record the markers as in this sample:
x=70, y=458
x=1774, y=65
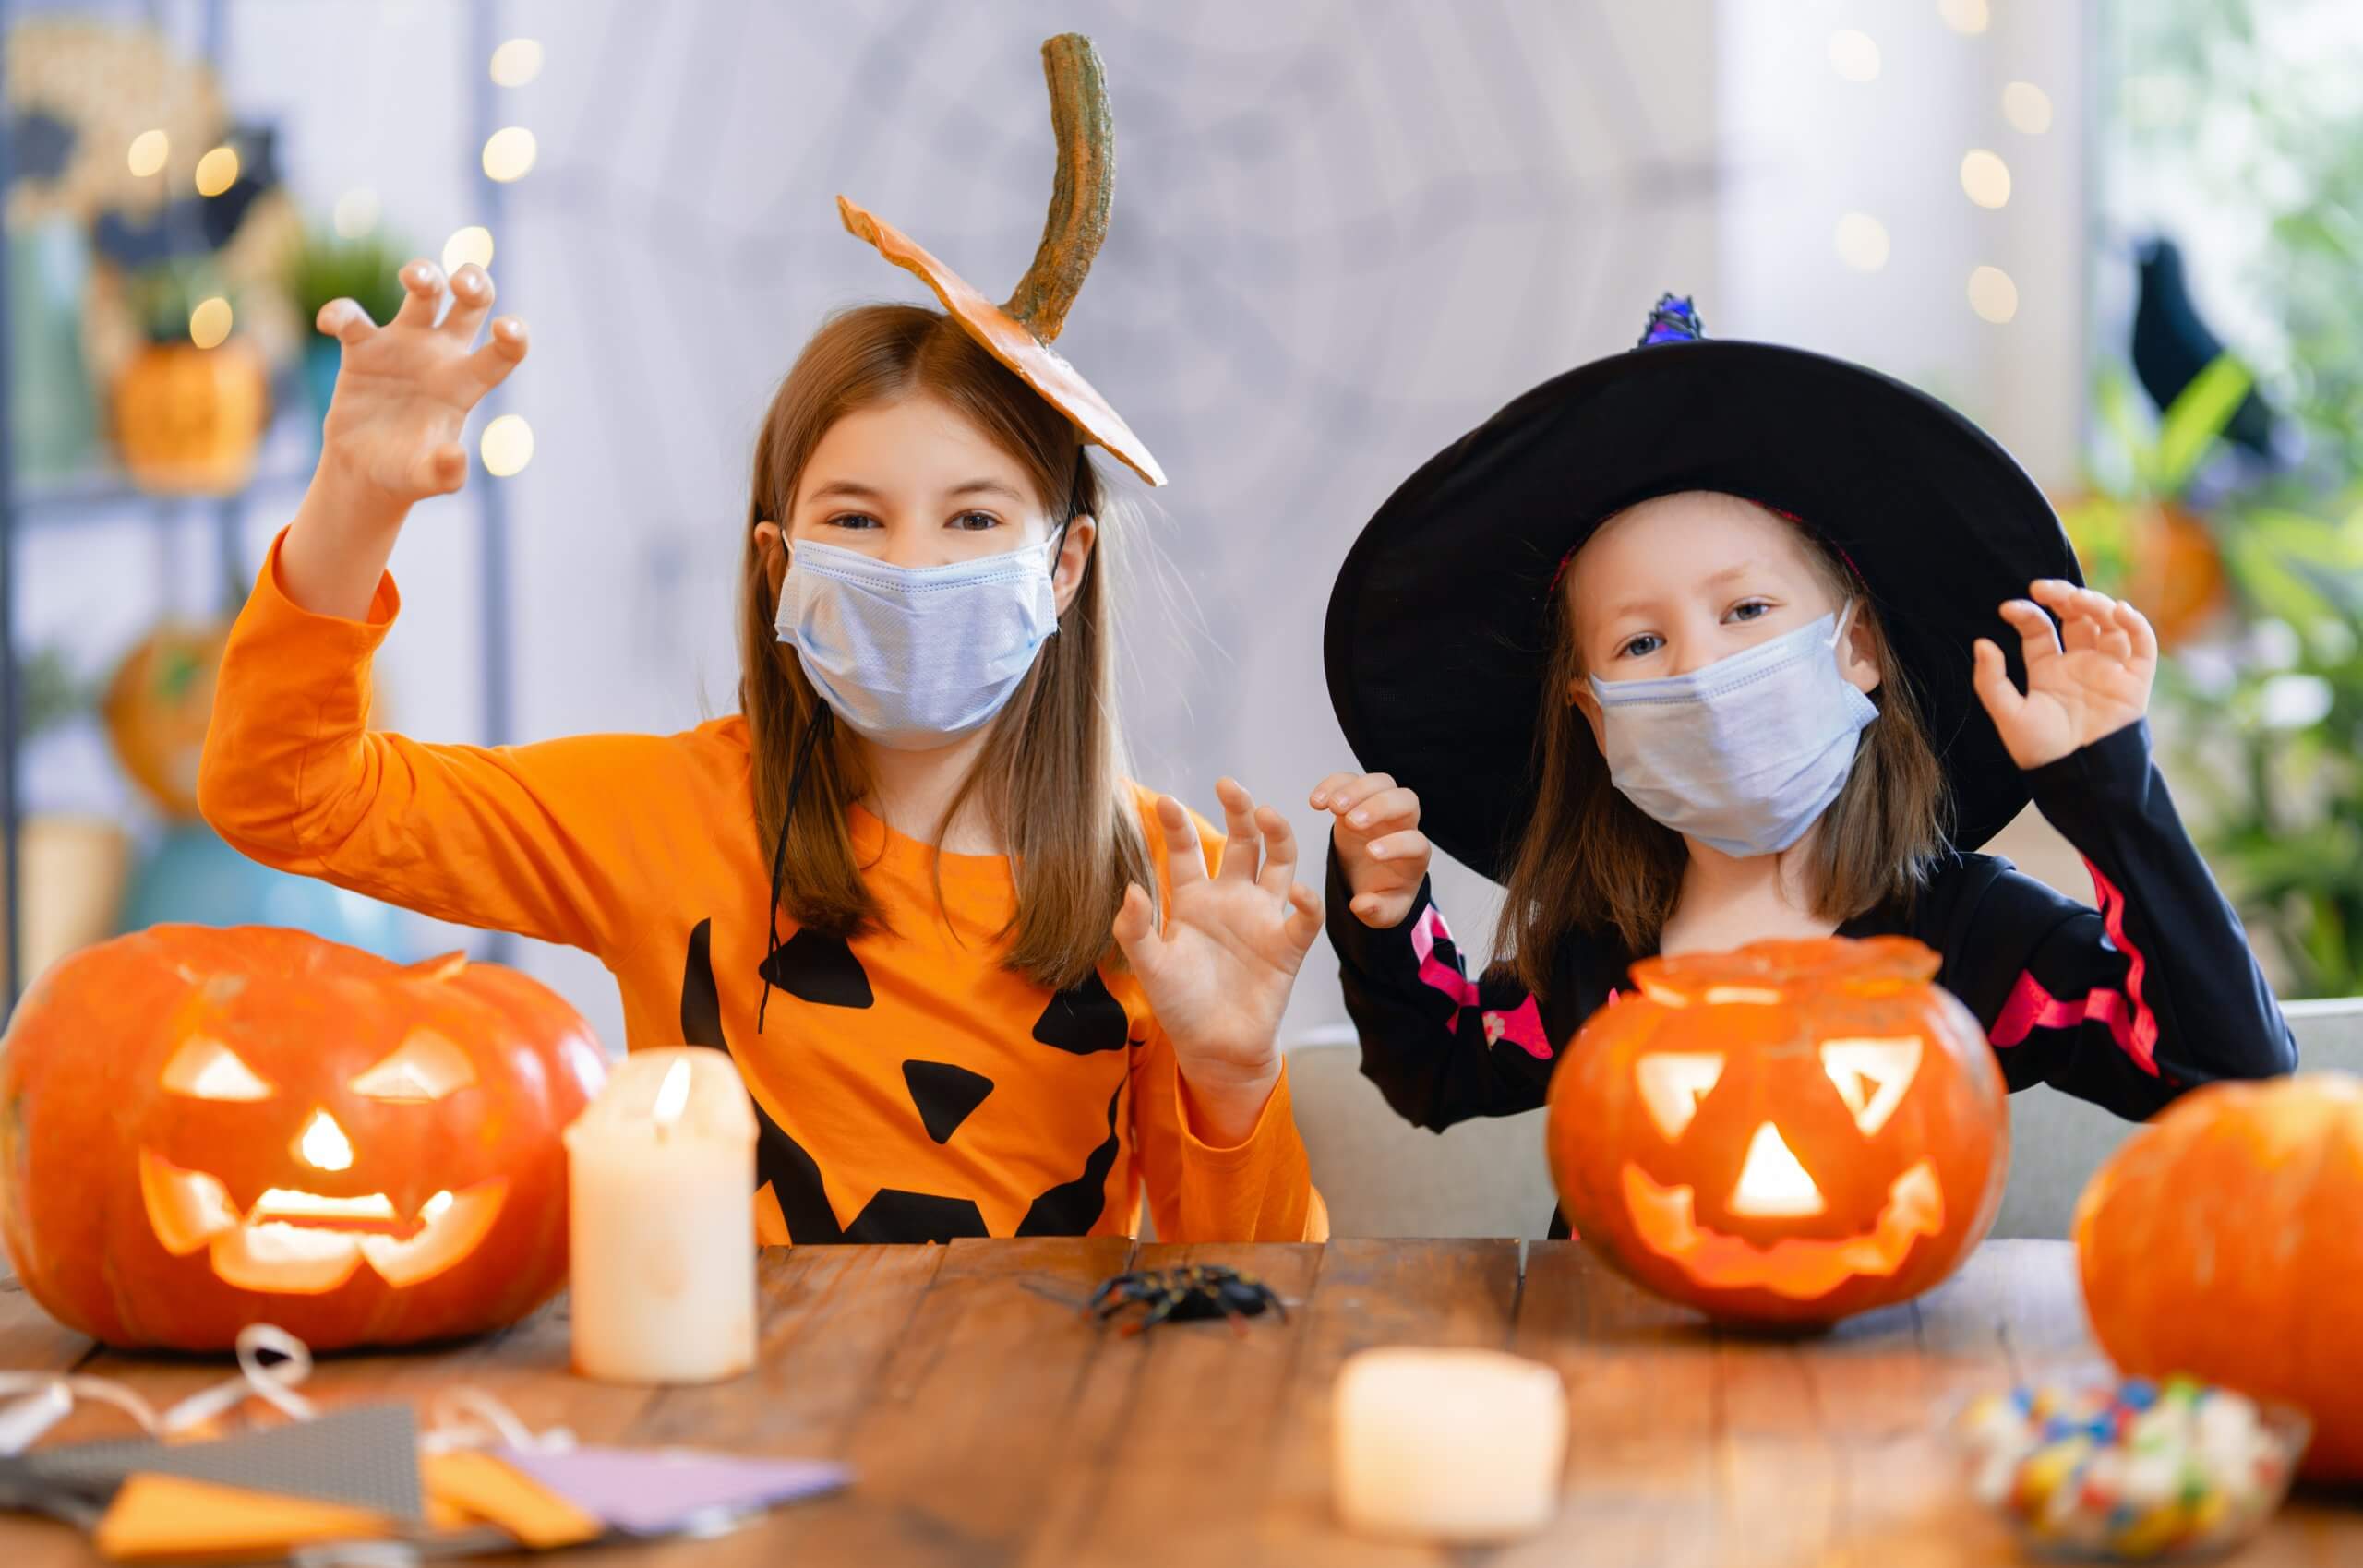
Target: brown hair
x=1050, y=776
x=1591, y=860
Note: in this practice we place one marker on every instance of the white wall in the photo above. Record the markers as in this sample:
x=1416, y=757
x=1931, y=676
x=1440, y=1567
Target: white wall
x=1345, y=233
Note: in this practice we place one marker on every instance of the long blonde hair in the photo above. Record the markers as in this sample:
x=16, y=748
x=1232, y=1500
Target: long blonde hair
x=1049, y=779
x=1590, y=860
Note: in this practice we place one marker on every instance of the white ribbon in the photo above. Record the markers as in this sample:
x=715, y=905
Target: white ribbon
x=468, y=1417
x=50, y=1396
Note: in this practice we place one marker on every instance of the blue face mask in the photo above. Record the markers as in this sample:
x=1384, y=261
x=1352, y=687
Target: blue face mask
x=1746, y=754
x=913, y=657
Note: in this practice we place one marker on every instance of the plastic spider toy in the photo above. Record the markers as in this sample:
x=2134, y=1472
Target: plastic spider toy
x=1196, y=1290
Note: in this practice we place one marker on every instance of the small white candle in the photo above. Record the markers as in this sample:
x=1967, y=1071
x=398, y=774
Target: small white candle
x=661, y=1170
x=1448, y=1445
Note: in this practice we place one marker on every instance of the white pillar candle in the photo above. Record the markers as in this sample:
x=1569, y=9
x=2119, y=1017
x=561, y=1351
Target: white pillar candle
x=1447, y=1445
x=661, y=1171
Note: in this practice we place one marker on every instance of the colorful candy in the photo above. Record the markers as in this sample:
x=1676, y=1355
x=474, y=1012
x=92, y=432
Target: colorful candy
x=2139, y=1470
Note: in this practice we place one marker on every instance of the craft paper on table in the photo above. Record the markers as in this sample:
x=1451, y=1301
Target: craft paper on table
x=655, y=1492
x=476, y=1485
x=366, y=1458
x=179, y=1519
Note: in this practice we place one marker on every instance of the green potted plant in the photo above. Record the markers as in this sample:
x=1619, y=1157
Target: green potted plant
x=325, y=266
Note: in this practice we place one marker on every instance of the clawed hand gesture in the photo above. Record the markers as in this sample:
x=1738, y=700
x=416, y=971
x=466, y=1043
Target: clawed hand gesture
x=2085, y=680
x=1218, y=972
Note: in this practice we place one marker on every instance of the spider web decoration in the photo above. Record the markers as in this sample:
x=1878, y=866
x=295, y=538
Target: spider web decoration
x=1343, y=235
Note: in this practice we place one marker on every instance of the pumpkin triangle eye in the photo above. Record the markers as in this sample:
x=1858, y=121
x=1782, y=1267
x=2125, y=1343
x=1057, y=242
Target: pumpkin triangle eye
x=1871, y=1076
x=1671, y=1084
x=424, y=1067
x=205, y=1068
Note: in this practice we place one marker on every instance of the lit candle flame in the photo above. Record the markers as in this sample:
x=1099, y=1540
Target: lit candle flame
x=672, y=1096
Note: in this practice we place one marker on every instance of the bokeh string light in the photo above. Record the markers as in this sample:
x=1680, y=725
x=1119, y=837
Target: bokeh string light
x=2027, y=107
x=1862, y=242
x=1985, y=178
x=508, y=154
x=1993, y=295
x=517, y=62
x=209, y=323
x=471, y=244
x=148, y=151
x=216, y=171
x=507, y=445
x=1855, y=54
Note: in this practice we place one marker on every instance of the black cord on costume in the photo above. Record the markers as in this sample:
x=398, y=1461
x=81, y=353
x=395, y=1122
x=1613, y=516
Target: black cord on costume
x=822, y=722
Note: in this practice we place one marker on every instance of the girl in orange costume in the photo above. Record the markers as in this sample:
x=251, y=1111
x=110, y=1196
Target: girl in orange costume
x=915, y=832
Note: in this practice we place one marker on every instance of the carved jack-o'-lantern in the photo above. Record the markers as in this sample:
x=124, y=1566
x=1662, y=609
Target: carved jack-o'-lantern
x=200, y=1129
x=1792, y=1132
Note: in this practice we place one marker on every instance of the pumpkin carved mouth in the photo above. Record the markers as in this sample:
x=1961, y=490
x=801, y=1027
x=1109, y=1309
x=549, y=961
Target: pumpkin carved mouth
x=297, y=1243
x=1801, y=1267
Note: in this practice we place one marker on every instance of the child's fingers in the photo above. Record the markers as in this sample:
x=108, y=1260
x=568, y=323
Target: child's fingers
x=2138, y=630
x=1319, y=798
x=440, y=470
x=1380, y=912
x=1279, y=851
x=1304, y=923
x=1135, y=932
x=1243, y=840
x=1991, y=677
x=2115, y=642
x=1408, y=844
x=2038, y=639
x=472, y=294
x=1387, y=809
x=502, y=351
x=1185, y=856
x=1356, y=790
x=345, y=320
x=422, y=294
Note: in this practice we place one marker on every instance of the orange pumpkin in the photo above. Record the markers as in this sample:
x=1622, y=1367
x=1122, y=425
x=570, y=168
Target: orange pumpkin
x=1789, y=1133
x=157, y=708
x=202, y=1129
x=2157, y=555
x=188, y=420
x=2226, y=1240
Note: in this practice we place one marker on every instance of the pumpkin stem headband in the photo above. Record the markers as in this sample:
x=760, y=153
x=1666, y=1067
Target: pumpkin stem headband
x=1020, y=332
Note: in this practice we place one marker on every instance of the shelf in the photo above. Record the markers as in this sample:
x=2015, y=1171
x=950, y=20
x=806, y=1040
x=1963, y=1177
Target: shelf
x=285, y=464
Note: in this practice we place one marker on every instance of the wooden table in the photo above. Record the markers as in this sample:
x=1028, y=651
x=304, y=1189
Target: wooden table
x=989, y=1425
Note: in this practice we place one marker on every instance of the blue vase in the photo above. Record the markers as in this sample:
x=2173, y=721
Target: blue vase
x=192, y=877
x=321, y=357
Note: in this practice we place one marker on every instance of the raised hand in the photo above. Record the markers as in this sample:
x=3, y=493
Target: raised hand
x=1219, y=973
x=405, y=388
x=2088, y=680
x=1380, y=846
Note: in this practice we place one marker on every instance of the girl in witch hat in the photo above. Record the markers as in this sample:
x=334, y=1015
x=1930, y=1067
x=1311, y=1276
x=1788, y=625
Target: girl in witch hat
x=976, y=982
x=1710, y=642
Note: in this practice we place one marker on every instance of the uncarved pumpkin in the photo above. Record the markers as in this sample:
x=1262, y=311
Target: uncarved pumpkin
x=2226, y=1240
x=188, y=420
x=1789, y=1133
x=158, y=706
x=201, y=1128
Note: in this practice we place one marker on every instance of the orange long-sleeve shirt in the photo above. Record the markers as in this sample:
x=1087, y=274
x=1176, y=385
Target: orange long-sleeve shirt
x=908, y=1088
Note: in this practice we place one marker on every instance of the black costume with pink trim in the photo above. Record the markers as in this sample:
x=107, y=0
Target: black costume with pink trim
x=1437, y=645
x=2127, y=1006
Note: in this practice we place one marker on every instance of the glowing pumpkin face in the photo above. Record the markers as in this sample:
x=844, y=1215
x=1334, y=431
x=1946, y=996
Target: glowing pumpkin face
x=1793, y=1132
x=200, y=1129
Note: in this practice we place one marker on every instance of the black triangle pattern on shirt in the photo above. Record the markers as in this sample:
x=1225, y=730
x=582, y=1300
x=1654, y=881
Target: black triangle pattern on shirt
x=781, y=1162
x=816, y=967
x=892, y=1214
x=1071, y=1208
x=945, y=1095
x=1084, y=1019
